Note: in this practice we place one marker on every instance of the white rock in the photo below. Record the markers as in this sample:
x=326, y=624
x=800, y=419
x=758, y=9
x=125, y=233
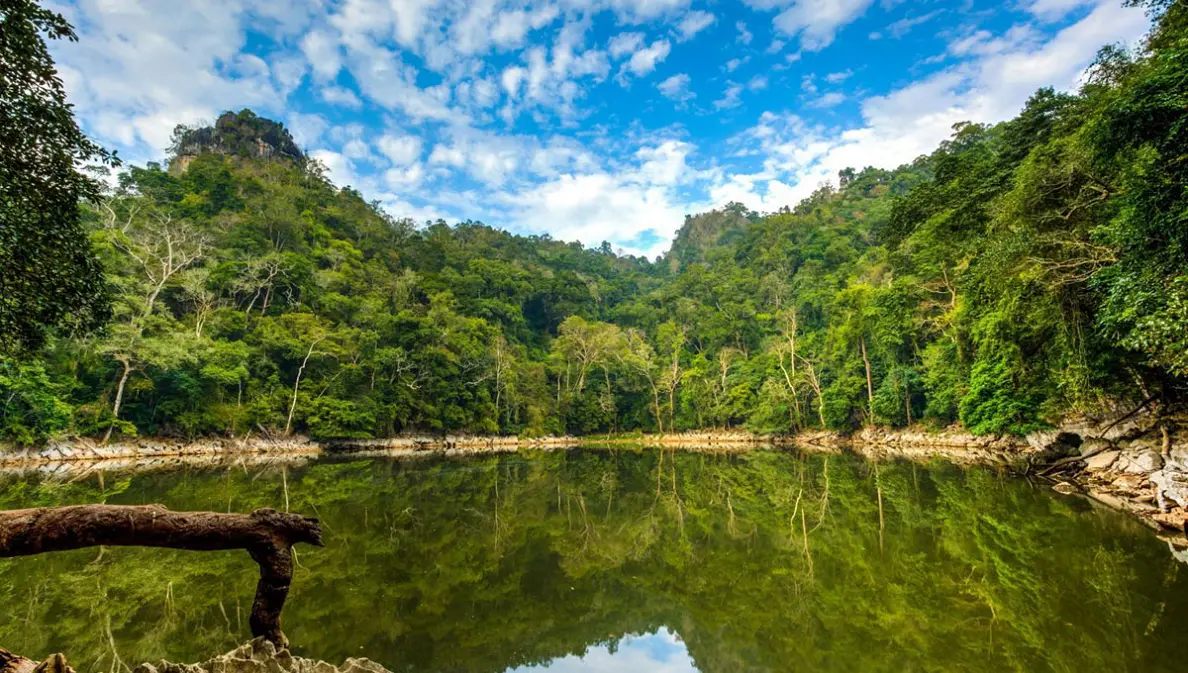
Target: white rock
x=1145, y=462
x=1103, y=460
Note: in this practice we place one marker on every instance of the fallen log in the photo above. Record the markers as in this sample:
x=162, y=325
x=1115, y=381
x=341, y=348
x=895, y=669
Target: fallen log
x=266, y=534
x=14, y=663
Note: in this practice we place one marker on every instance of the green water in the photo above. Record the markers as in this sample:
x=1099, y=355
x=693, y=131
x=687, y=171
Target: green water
x=598, y=560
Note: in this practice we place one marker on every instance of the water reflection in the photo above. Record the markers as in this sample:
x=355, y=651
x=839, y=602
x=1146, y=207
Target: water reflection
x=659, y=652
x=760, y=562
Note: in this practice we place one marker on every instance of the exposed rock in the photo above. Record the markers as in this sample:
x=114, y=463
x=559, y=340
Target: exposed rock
x=1103, y=460
x=1171, y=485
x=1093, y=446
x=1144, y=462
x=261, y=656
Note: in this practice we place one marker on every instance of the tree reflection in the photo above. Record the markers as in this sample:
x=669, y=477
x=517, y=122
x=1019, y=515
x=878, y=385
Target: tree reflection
x=760, y=562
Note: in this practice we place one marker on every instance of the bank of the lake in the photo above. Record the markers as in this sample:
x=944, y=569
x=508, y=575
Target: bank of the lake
x=1135, y=462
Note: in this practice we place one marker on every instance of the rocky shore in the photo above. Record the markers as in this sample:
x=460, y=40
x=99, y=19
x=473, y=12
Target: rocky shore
x=256, y=656
x=70, y=457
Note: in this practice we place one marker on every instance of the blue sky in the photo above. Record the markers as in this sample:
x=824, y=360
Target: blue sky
x=588, y=120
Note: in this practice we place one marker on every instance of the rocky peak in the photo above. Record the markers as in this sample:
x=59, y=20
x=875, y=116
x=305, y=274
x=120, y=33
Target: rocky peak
x=242, y=134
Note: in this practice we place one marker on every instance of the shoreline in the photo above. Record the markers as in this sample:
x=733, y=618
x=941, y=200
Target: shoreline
x=1137, y=464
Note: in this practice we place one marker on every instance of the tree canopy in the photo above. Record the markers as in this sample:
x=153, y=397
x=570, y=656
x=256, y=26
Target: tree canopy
x=49, y=275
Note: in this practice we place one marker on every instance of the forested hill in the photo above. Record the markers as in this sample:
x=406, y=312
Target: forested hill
x=1017, y=273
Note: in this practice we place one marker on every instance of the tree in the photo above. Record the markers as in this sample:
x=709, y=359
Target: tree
x=49, y=276
x=301, y=336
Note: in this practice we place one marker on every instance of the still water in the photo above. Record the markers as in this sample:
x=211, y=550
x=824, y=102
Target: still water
x=623, y=560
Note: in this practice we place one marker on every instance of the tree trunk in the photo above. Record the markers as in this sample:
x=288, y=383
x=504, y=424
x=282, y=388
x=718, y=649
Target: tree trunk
x=267, y=535
x=656, y=407
x=119, y=398
x=297, y=385
x=869, y=382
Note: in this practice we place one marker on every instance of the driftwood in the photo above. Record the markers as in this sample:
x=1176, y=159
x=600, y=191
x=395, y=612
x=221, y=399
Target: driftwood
x=266, y=534
x=13, y=663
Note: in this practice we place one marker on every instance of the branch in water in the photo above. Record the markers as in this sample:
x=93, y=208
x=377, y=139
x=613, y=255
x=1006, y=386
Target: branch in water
x=267, y=535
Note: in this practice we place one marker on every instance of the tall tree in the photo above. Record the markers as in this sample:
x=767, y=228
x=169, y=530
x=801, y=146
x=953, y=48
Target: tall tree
x=49, y=276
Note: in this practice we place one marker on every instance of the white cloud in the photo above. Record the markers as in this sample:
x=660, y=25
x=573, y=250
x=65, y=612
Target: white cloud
x=322, y=52
x=757, y=83
x=1054, y=10
x=512, y=27
x=898, y=29
x=401, y=150
x=337, y=95
x=511, y=78
x=744, y=36
x=596, y=207
x=639, y=11
x=828, y=100
x=985, y=43
x=307, y=129
x=645, y=60
x=341, y=170
x=624, y=43
x=356, y=149
x=693, y=23
x=676, y=88
x=839, y=77
x=730, y=97
x=816, y=22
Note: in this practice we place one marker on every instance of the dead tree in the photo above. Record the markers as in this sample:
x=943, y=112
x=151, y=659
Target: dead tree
x=267, y=535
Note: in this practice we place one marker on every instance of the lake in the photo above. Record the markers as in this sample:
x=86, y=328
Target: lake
x=623, y=560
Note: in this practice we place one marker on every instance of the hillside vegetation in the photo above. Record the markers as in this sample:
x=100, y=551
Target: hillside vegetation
x=1019, y=272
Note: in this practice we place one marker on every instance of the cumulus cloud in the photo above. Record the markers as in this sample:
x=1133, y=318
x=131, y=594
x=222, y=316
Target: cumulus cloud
x=337, y=95
x=744, y=36
x=828, y=100
x=676, y=88
x=645, y=59
x=815, y=22
x=597, y=206
x=624, y=44
x=1054, y=10
x=692, y=24
x=731, y=97
x=401, y=150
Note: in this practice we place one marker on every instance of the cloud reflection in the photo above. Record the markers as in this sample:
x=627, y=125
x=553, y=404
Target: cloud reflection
x=659, y=652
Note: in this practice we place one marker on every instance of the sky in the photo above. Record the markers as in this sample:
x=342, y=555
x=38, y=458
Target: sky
x=588, y=120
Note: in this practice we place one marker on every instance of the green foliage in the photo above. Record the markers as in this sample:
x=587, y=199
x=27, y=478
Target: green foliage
x=997, y=401
x=32, y=409
x=49, y=276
